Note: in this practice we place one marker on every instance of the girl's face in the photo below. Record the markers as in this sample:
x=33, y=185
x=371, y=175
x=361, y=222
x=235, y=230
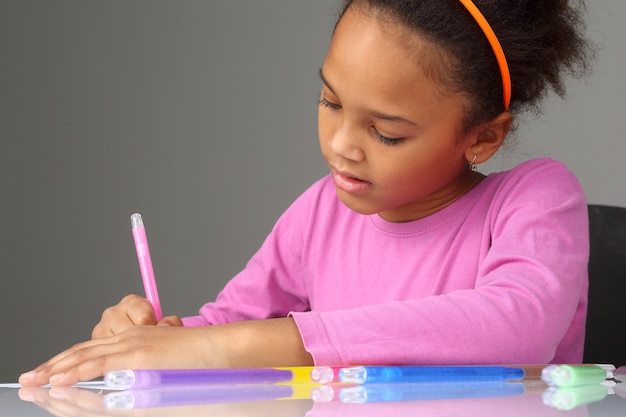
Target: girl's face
x=391, y=135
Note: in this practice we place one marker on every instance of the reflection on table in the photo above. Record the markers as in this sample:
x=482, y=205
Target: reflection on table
x=308, y=400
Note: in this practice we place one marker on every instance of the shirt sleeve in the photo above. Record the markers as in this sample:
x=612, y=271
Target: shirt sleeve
x=271, y=284
x=528, y=304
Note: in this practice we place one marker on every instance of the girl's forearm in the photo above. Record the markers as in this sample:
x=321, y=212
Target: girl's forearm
x=260, y=343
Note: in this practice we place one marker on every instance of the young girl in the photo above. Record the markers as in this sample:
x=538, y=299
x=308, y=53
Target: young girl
x=405, y=253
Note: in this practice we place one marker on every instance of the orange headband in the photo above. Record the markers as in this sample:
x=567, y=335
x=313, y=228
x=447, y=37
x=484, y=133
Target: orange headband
x=497, y=49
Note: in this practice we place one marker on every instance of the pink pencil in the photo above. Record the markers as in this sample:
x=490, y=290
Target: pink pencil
x=145, y=264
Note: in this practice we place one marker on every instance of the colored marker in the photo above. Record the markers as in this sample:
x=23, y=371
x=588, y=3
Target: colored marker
x=145, y=264
x=389, y=374
x=163, y=378
x=573, y=375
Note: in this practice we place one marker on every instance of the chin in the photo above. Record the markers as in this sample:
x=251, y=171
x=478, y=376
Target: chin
x=356, y=206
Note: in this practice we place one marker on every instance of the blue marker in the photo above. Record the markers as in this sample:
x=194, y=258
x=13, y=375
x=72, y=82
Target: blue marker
x=387, y=374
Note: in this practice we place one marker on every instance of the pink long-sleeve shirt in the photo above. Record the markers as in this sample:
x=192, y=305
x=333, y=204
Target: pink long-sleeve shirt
x=499, y=276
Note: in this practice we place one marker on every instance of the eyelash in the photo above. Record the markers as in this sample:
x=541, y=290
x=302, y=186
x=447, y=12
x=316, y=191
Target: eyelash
x=325, y=103
x=387, y=141
x=380, y=138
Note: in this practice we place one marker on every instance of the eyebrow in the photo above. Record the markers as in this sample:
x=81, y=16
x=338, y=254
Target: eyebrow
x=373, y=113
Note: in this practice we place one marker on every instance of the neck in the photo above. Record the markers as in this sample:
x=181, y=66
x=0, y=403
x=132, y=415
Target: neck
x=425, y=208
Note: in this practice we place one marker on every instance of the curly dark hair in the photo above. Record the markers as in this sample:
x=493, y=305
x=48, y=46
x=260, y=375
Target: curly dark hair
x=543, y=40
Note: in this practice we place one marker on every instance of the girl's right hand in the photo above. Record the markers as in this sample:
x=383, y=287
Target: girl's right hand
x=132, y=310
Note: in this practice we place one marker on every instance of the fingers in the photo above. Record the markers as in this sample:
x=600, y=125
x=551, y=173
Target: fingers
x=132, y=310
x=98, y=361
x=171, y=321
x=137, y=348
x=82, y=362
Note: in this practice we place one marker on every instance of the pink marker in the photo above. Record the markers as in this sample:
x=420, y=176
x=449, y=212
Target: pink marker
x=145, y=264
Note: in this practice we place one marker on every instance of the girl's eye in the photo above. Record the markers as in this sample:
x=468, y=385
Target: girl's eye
x=323, y=101
x=386, y=140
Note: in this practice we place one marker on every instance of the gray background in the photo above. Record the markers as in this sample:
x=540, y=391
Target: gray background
x=201, y=115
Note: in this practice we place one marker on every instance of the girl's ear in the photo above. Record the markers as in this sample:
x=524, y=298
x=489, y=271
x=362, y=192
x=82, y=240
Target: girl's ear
x=488, y=137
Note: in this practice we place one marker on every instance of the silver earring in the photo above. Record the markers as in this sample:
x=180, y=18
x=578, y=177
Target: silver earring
x=473, y=166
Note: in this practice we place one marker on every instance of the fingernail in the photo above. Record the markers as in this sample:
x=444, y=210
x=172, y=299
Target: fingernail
x=56, y=378
x=27, y=375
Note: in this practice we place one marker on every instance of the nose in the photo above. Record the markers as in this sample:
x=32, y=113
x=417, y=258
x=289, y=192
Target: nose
x=344, y=142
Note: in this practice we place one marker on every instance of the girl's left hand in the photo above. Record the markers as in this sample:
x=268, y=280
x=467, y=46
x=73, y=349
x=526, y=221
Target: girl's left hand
x=138, y=347
x=256, y=343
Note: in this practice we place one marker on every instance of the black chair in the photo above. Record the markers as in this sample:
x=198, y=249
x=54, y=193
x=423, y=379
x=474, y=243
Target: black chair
x=606, y=316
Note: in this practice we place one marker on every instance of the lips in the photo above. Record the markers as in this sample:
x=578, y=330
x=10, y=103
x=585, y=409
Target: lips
x=349, y=183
